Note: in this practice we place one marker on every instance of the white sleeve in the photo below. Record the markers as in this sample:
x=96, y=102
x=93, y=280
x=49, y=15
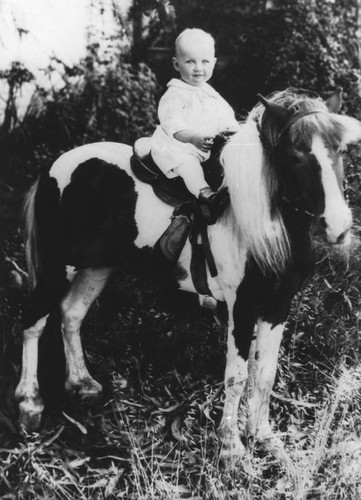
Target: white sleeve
x=227, y=119
x=171, y=112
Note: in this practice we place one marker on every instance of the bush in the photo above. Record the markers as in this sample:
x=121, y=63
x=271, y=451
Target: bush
x=299, y=43
x=101, y=99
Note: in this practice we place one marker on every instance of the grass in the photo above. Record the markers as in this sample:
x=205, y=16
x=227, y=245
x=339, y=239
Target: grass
x=153, y=433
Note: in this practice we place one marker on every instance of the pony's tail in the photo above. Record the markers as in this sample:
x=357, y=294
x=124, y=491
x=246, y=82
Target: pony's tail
x=46, y=270
x=31, y=237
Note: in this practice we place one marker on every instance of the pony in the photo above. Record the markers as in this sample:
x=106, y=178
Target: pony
x=88, y=214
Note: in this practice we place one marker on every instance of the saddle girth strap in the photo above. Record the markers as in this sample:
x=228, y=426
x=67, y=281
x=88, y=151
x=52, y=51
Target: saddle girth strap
x=201, y=255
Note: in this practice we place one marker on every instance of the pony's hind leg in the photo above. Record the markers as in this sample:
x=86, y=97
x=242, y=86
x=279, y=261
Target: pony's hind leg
x=84, y=289
x=27, y=392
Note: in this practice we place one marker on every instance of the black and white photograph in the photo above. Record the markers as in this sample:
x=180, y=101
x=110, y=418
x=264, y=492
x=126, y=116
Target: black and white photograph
x=180, y=249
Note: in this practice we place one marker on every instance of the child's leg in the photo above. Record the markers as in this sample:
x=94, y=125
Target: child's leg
x=192, y=174
x=211, y=203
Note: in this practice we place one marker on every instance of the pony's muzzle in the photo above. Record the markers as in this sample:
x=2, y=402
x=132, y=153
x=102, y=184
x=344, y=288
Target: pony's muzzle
x=343, y=237
x=339, y=233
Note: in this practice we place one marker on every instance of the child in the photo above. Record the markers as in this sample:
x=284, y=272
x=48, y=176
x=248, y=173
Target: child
x=191, y=114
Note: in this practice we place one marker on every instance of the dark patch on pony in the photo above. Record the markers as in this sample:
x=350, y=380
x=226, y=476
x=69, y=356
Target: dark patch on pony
x=267, y=296
x=97, y=216
x=300, y=181
x=91, y=225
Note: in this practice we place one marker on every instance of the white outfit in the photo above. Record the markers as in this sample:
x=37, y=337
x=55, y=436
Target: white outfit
x=184, y=106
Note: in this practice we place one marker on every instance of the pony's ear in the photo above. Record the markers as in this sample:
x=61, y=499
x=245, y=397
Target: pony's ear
x=280, y=114
x=334, y=102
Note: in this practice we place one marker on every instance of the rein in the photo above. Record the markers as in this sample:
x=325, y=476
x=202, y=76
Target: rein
x=296, y=209
x=293, y=119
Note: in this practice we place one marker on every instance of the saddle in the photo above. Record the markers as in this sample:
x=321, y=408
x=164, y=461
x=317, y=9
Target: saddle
x=173, y=191
x=187, y=220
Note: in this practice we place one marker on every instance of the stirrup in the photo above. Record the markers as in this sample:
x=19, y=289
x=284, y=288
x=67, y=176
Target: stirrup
x=172, y=241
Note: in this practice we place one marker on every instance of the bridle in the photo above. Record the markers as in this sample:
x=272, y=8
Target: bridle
x=293, y=119
x=302, y=211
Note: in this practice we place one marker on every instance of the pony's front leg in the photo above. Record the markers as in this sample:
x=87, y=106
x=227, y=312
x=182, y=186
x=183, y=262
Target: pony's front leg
x=240, y=332
x=262, y=376
x=85, y=288
x=235, y=381
x=27, y=392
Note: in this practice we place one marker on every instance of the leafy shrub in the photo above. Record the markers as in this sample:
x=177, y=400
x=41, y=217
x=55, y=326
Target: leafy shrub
x=101, y=100
x=299, y=43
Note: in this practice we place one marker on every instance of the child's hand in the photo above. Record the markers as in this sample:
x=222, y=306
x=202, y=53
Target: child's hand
x=204, y=143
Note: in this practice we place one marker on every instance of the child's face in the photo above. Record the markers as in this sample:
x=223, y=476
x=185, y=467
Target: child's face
x=195, y=63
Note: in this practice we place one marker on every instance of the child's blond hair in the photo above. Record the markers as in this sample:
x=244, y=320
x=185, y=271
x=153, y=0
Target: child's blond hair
x=194, y=36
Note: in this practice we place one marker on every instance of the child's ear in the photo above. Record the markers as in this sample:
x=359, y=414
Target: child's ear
x=175, y=63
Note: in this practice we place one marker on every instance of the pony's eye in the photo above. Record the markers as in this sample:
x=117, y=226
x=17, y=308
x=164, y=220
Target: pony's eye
x=295, y=156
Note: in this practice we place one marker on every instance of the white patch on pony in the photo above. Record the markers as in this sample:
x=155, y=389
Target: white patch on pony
x=152, y=216
x=337, y=214
x=262, y=375
x=111, y=152
x=230, y=257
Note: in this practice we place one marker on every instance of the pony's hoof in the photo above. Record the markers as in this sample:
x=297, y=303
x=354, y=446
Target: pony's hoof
x=30, y=413
x=231, y=453
x=87, y=390
x=274, y=446
x=90, y=391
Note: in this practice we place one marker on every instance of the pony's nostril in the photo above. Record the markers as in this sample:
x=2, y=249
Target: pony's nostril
x=342, y=237
x=323, y=222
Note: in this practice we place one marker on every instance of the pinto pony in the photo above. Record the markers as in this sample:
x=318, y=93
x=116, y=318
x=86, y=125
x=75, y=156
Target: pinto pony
x=88, y=214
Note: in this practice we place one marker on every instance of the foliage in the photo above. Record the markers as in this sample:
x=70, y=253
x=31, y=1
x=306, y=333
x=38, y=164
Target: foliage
x=102, y=98
x=154, y=24
x=15, y=77
x=299, y=43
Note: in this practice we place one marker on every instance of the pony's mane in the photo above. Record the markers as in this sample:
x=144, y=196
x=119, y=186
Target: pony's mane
x=252, y=181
